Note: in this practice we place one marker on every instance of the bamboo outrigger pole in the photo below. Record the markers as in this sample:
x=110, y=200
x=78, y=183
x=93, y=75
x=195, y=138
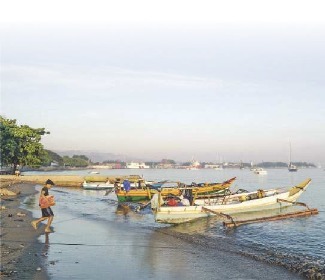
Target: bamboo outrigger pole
x=294, y=203
x=232, y=223
x=308, y=212
x=223, y=215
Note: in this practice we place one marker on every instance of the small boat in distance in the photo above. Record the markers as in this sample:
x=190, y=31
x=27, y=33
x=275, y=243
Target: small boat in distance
x=93, y=172
x=218, y=167
x=97, y=185
x=292, y=168
x=260, y=171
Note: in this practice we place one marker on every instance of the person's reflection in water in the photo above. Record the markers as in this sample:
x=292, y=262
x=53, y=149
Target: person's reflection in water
x=46, y=246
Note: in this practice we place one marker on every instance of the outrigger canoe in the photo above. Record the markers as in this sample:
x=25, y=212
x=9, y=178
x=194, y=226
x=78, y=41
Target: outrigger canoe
x=97, y=186
x=210, y=188
x=145, y=193
x=236, y=203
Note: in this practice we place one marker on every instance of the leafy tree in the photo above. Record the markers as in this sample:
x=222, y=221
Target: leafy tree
x=112, y=161
x=20, y=144
x=67, y=161
x=81, y=157
x=75, y=161
x=79, y=162
x=51, y=156
x=46, y=159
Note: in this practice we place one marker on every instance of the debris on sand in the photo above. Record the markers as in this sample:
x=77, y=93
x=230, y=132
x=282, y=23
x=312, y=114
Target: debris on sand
x=6, y=192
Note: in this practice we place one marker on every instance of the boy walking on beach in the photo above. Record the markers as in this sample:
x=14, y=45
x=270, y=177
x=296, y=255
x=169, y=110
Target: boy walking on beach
x=44, y=203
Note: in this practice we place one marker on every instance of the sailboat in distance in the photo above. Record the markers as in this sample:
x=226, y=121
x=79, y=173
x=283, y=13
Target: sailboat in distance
x=291, y=167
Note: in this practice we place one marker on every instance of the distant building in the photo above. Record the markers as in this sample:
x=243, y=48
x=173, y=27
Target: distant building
x=213, y=166
x=136, y=165
x=194, y=165
x=106, y=166
x=165, y=166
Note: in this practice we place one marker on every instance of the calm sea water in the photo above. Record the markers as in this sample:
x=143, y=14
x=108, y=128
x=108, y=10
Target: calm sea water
x=296, y=244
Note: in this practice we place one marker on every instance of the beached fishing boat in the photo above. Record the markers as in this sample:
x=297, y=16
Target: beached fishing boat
x=210, y=188
x=236, y=203
x=144, y=192
x=97, y=185
x=134, y=195
x=174, y=188
x=137, y=192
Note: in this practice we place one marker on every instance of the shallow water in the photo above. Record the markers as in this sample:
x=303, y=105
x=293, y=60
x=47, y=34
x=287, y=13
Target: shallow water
x=90, y=229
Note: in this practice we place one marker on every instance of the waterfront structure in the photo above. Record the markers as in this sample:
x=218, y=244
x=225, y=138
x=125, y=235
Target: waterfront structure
x=136, y=165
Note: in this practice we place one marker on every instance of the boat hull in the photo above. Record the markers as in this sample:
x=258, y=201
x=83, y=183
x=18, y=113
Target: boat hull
x=292, y=169
x=129, y=198
x=134, y=195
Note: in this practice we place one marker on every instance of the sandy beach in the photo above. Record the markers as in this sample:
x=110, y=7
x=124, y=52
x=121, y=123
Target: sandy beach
x=20, y=248
x=149, y=254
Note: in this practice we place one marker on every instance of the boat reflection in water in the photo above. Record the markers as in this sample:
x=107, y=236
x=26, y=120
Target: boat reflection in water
x=122, y=209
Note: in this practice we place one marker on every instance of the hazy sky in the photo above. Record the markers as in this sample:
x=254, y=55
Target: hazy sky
x=169, y=79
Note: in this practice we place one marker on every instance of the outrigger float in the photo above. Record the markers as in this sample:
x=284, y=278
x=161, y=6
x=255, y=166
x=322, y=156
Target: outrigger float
x=237, y=203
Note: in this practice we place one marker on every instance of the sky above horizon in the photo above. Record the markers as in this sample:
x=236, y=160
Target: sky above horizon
x=184, y=79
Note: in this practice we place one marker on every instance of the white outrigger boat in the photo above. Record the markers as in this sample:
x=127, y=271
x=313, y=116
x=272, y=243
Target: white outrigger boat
x=97, y=185
x=231, y=204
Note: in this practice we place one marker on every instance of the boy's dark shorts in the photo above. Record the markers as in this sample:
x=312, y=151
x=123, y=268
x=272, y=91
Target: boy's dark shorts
x=47, y=212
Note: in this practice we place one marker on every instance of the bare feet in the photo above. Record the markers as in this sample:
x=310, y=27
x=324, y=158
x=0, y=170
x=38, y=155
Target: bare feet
x=34, y=224
x=47, y=230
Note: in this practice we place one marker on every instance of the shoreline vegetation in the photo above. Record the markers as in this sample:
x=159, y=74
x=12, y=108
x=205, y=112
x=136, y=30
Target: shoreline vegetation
x=163, y=165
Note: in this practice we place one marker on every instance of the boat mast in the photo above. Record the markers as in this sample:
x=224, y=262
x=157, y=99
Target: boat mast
x=291, y=167
x=289, y=153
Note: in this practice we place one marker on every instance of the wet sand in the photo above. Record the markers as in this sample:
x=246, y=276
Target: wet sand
x=60, y=180
x=20, y=248
x=86, y=248
x=74, y=181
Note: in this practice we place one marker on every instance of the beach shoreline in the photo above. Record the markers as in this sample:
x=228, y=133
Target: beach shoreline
x=22, y=254
x=20, y=248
